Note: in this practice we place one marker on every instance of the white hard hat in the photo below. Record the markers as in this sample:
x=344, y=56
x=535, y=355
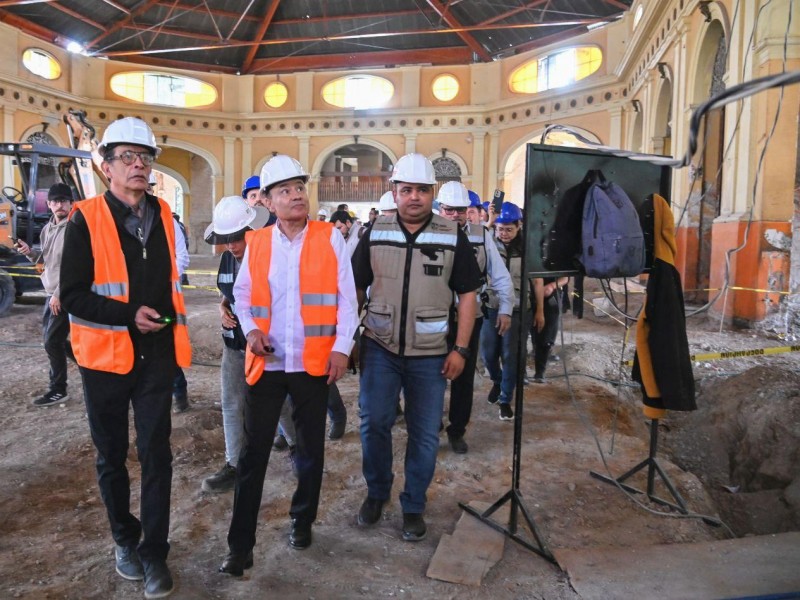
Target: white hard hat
x=414, y=168
x=387, y=202
x=281, y=168
x=129, y=130
x=454, y=194
x=231, y=216
x=322, y=211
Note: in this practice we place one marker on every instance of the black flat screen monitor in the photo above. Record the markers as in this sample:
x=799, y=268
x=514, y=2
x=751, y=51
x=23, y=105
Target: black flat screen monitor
x=555, y=182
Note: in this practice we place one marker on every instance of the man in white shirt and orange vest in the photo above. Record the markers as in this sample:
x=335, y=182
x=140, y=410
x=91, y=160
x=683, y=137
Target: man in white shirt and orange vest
x=122, y=291
x=296, y=303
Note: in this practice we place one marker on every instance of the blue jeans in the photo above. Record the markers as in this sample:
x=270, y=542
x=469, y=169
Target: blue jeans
x=383, y=374
x=496, y=348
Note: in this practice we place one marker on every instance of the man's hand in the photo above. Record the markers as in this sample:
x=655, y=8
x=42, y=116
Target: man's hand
x=453, y=365
x=337, y=367
x=258, y=342
x=503, y=323
x=22, y=248
x=144, y=320
x=227, y=317
x=538, y=320
x=55, y=305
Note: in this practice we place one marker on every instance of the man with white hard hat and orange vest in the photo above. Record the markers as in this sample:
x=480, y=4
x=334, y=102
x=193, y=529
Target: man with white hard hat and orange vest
x=122, y=291
x=412, y=263
x=454, y=200
x=296, y=303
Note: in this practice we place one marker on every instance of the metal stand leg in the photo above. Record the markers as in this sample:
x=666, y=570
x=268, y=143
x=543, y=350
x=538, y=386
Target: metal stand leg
x=653, y=469
x=513, y=495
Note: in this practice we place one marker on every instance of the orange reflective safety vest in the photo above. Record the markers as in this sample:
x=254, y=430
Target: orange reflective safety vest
x=109, y=347
x=319, y=288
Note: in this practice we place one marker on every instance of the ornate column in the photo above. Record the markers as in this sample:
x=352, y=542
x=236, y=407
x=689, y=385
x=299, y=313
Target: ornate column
x=228, y=167
x=494, y=149
x=247, y=158
x=478, y=162
x=411, y=142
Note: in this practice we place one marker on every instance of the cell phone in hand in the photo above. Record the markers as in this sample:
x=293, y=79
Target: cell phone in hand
x=164, y=320
x=497, y=201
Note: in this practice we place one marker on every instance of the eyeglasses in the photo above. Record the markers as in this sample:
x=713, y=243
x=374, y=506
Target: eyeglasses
x=129, y=157
x=454, y=209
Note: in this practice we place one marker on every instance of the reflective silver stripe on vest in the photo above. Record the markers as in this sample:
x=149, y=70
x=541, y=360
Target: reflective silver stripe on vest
x=319, y=330
x=260, y=312
x=319, y=299
x=178, y=287
x=225, y=278
x=110, y=289
x=443, y=239
x=228, y=333
x=180, y=319
x=77, y=321
x=387, y=236
x=431, y=326
x=476, y=240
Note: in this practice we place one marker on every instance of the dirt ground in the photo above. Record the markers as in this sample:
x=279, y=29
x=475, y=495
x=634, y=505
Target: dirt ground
x=55, y=542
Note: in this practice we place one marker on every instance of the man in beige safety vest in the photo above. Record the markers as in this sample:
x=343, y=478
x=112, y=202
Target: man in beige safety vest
x=413, y=263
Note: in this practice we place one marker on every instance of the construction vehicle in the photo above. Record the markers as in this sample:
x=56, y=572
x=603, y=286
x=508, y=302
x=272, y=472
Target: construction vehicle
x=23, y=213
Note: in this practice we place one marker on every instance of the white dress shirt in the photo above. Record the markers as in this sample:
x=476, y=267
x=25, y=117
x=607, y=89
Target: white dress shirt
x=286, y=332
x=181, y=253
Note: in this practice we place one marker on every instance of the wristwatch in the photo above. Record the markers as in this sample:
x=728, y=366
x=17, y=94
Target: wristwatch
x=464, y=352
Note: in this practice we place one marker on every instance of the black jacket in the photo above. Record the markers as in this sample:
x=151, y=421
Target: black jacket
x=149, y=275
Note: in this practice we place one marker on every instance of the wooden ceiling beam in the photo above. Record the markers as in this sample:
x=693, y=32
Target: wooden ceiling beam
x=435, y=56
x=121, y=23
x=262, y=31
x=455, y=24
x=77, y=15
x=29, y=27
x=177, y=33
x=514, y=11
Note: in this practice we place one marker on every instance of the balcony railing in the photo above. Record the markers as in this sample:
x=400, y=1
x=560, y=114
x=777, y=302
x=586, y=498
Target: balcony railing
x=352, y=187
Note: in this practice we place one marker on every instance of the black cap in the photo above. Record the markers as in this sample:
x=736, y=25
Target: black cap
x=341, y=215
x=59, y=191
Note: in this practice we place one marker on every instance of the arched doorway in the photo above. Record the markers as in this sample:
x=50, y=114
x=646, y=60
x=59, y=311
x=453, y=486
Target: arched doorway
x=514, y=171
x=705, y=205
x=356, y=175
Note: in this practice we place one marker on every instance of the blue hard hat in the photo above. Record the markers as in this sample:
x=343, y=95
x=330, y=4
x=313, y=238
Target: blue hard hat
x=485, y=206
x=474, y=199
x=253, y=183
x=509, y=213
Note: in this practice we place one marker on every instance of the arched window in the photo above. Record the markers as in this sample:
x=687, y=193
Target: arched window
x=167, y=90
x=276, y=94
x=41, y=63
x=445, y=87
x=358, y=91
x=555, y=70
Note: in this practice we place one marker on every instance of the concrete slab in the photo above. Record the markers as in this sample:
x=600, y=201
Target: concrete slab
x=467, y=555
x=747, y=567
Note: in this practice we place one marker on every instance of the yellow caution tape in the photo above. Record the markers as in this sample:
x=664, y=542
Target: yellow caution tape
x=738, y=353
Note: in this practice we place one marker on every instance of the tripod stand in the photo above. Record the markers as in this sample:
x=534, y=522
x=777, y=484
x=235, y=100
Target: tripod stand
x=653, y=469
x=513, y=495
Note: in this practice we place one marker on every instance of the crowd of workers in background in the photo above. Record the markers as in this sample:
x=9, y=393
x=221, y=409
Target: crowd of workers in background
x=409, y=300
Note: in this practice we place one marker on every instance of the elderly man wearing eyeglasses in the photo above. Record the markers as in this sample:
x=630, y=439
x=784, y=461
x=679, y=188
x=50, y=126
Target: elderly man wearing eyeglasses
x=122, y=291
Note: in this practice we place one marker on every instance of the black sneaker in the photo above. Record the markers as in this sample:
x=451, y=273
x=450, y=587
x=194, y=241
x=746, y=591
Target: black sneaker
x=128, y=564
x=157, y=579
x=51, y=398
x=506, y=414
x=221, y=481
x=180, y=403
x=494, y=394
x=370, y=511
x=280, y=443
x=336, y=430
x=458, y=444
x=414, y=528
x=538, y=378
